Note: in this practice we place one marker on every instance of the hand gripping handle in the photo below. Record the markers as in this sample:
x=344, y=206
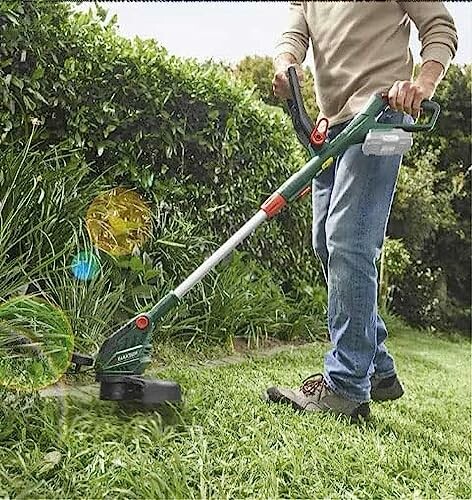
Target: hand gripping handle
x=426, y=106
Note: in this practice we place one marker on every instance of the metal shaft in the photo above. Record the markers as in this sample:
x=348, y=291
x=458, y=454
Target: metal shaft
x=221, y=253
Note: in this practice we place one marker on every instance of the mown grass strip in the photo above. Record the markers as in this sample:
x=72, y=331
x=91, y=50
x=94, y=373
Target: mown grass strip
x=226, y=443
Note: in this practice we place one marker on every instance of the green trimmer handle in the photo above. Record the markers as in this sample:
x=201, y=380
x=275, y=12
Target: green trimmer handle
x=426, y=105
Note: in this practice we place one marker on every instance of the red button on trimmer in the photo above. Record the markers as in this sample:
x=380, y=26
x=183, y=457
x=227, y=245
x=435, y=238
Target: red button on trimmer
x=142, y=322
x=318, y=136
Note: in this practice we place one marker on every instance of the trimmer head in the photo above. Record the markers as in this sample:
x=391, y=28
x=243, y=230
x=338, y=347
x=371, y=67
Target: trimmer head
x=130, y=388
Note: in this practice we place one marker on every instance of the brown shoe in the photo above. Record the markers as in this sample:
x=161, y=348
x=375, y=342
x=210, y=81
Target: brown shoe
x=315, y=396
x=385, y=389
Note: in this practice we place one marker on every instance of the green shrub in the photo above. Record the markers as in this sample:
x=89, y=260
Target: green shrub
x=258, y=71
x=432, y=210
x=184, y=133
x=394, y=263
x=197, y=144
x=421, y=295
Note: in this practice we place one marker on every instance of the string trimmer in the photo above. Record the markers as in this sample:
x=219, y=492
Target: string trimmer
x=124, y=355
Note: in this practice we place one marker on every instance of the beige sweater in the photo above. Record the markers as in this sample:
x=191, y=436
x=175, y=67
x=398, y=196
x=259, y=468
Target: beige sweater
x=362, y=47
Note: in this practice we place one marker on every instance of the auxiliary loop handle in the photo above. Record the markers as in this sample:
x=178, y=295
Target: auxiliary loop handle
x=426, y=105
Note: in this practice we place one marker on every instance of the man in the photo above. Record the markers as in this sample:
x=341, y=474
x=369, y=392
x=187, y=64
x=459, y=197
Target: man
x=359, y=48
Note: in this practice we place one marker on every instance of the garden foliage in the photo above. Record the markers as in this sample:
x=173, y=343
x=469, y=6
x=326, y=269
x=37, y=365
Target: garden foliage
x=205, y=152
x=258, y=71
x=199, y=147
x=432, y=213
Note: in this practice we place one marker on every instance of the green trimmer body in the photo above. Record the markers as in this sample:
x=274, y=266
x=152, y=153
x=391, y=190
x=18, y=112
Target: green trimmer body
x=124, y=355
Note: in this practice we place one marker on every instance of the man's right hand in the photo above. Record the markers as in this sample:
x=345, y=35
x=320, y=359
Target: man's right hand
x=280, y=83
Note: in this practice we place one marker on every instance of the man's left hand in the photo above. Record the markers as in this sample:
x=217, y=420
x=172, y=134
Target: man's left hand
x=407, y=96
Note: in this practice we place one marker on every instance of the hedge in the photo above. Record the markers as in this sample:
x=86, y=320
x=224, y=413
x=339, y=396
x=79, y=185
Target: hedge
x=198, y=146
x=196, y=143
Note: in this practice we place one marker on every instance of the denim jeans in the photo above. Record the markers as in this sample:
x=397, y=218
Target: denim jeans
x=351, y=206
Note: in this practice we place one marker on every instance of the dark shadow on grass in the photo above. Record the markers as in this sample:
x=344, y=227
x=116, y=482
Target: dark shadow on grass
x=170, y=414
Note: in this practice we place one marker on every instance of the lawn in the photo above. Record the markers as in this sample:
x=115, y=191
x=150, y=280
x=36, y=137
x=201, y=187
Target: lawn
x=226, y=443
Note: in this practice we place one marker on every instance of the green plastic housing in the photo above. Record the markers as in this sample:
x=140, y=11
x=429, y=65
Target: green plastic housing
x=128, y=350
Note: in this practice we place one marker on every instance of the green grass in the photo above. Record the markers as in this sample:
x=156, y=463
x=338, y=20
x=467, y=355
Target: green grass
x=226, y=443
x=36, y=343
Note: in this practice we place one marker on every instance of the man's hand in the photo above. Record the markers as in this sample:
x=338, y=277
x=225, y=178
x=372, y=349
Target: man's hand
x=280, y=83
x=407, y=96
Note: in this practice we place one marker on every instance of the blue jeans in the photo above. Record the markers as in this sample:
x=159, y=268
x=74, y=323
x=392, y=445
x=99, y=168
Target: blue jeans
x=351, y=206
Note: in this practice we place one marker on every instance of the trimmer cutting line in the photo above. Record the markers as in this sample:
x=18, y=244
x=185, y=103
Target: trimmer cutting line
x=124, y=356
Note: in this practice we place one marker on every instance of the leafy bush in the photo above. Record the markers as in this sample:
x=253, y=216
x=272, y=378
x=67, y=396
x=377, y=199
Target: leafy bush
x=194, y=142
x=258, y=71
x=181, y=132
x=431, y=213
x=420, y=210
x=421, y=296
x=394, y=263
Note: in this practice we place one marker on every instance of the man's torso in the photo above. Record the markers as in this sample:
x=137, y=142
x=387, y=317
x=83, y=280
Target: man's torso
x=359, y=48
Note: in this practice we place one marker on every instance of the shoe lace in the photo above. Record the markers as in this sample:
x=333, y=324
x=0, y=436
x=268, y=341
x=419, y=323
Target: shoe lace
x=313, y=384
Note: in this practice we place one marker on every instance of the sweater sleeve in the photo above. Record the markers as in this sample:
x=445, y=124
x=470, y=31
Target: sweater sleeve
x=295, y=39
x=436, y=29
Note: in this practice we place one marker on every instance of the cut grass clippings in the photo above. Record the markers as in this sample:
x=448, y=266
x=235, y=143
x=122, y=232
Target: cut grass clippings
x=227, y=443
